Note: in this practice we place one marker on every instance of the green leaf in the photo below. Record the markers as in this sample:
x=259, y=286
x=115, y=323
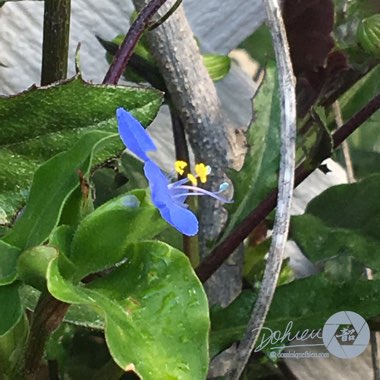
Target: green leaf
x=344, y=219
x=8, y=260
x=306, y=304
x=53, y=182
x=102, y=238
x=365, y=142
x=118, y=176
x=309, y=302
x=316, y=144
x=228, y=324
x=259, y=173
x=79, y=315
x=32, y=265
x=156, y=280
x=133, y=170
x=217, y=66
x=13, y=329
x=359, y=95
x=259, y=45
x=41, y=122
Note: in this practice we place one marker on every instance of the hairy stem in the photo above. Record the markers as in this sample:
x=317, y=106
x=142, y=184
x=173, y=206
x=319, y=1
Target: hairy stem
x=133, y=36
x=55, y=45
x=285, y=188
x=47, y=316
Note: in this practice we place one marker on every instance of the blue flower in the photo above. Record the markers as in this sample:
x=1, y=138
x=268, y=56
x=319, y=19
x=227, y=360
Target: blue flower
x=169, y=197
x=172, y=209
x=133, y=135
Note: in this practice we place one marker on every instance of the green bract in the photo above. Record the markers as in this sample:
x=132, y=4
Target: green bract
x=368, y=35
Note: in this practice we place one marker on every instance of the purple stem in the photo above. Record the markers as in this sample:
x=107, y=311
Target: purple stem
x=131, y=39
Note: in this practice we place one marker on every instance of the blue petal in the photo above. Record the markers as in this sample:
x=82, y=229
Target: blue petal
x=158, y=184
x=178, y=216
x=133, y=135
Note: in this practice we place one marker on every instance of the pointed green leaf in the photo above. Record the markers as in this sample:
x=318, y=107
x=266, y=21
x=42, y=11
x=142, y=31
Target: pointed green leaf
x=344, y=219
x=41, y=122
x=365, y=142
x=13, y=329
x=155, y=311
x=102, y=238
x=53, y=182
x=259, y=45
x=228, y=324
x=305, y=303
x=12, y=345
x=358, y=95
x=8, y=260
x=309, y=302
x=259, y=173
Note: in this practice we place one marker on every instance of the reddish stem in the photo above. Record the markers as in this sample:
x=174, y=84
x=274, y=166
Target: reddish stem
x=131, y=39
x=222, y=251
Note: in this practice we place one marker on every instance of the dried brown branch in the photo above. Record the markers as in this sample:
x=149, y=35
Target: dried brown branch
x=285, y=186
x=195, y=99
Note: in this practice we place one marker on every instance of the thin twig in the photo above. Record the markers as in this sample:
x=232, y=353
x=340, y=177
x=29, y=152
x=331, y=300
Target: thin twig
x=130, y=41
x=373, y=341
x=222, y=251
x=345, y=148
x=285, y=186
x=159, y=22
x=375, y=355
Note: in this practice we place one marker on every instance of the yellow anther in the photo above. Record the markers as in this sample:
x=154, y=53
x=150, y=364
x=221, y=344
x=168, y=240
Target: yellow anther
x=192, y=179
x=202, y=170
x=179, y=166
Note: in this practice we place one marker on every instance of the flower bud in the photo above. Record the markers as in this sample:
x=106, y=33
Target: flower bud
x=368, y=35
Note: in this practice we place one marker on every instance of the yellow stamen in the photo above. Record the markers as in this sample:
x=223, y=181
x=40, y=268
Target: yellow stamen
x=202, y=171
x=179, y=166
x=192, y=179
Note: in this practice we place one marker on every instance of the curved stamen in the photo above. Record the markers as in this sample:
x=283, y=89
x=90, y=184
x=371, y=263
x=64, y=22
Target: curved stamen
x=199, y=191
x=212, y=195
x=178, y=183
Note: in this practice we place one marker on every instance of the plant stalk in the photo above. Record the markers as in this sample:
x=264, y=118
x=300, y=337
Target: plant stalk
x=131, y=39
x=55, y=45
x=47, y=316
x=49, y=312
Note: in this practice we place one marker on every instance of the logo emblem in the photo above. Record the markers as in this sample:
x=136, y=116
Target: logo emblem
x=346, y=334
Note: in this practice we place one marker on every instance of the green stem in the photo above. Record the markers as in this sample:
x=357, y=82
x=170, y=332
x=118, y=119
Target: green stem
x=55, y=45
x=49, y=312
